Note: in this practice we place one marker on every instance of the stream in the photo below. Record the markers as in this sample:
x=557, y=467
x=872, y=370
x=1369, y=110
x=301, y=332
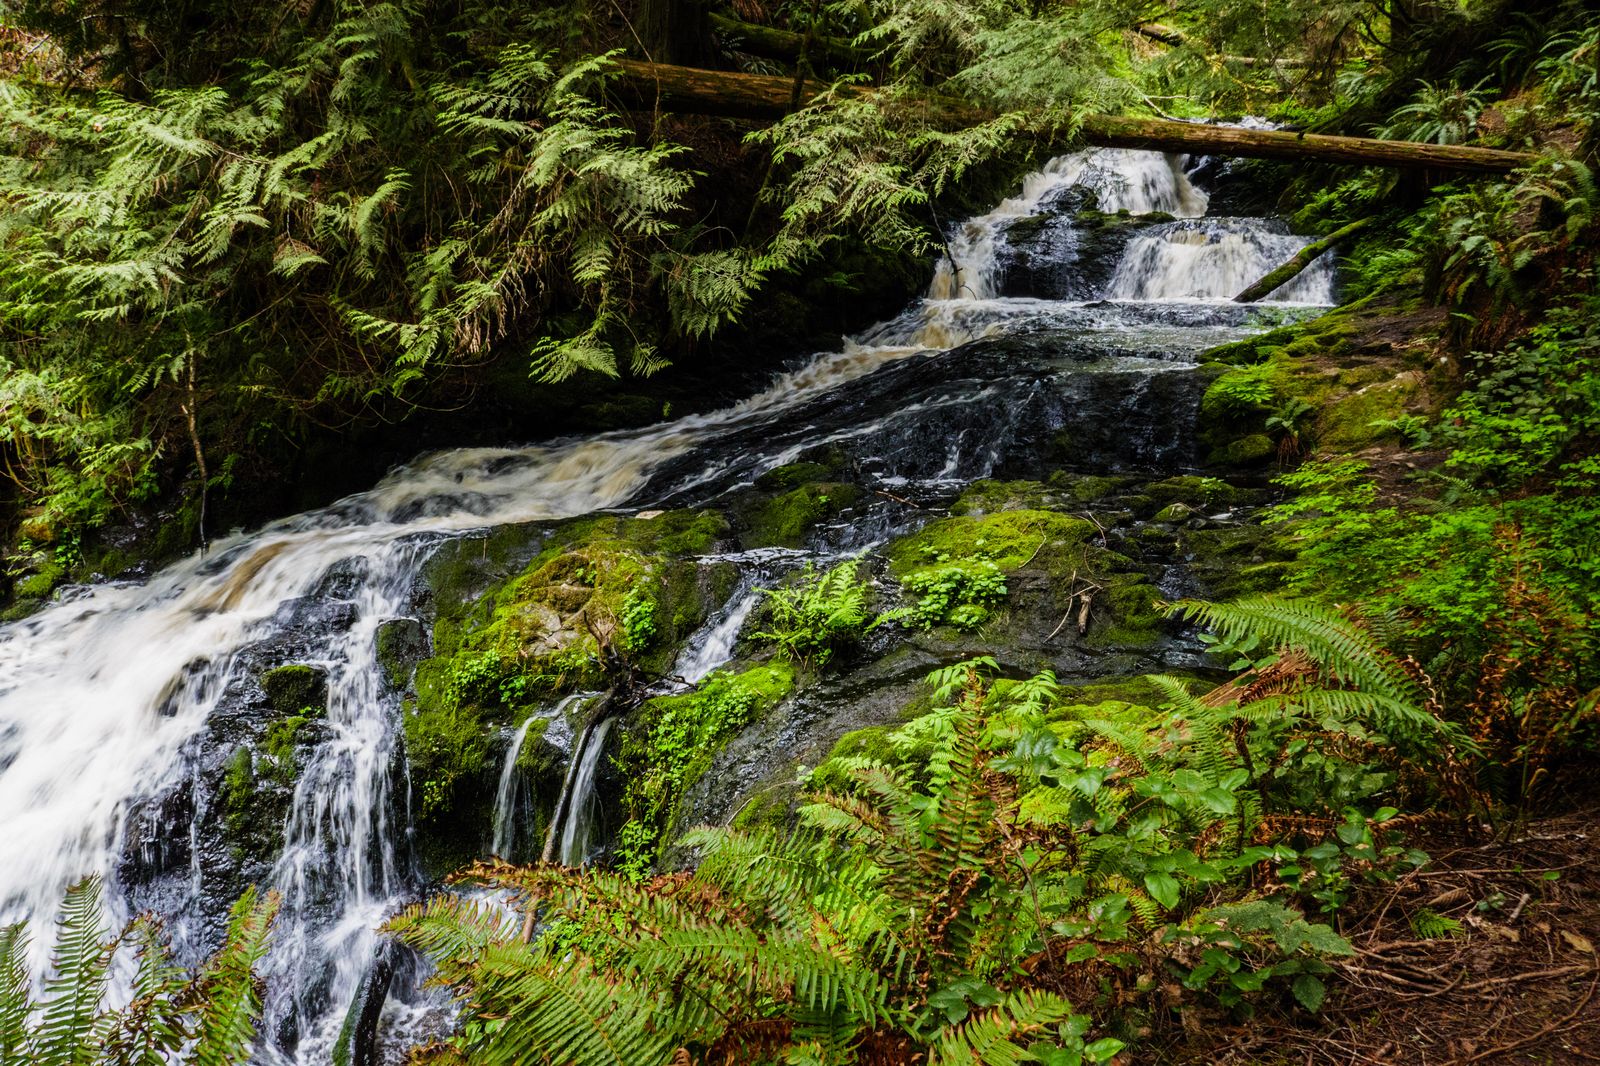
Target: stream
x=122, y=704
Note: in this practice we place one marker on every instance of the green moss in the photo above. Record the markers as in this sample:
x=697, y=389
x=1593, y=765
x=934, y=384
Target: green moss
x=793, y=475
x=783, y=521
x=870, y=743
x=253, y=798
x=400, y=644
x=1194, y=490
x=1139, y=690
x=671, y=741
x=1008, y=539
x=1231, y=561
x=1358, y=419
x=988, y=497
x=1088, y=489
x=1256, y=449
x=1174, y=512
x=1136, y=619
x=295, y=689
x=769, y=808
x=42, y=583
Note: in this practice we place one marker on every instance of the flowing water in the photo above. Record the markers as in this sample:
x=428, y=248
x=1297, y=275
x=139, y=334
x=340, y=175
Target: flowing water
x=117, y=703
x=579, y=802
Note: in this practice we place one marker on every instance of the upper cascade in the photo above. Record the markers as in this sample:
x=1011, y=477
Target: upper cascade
x=1120, y=179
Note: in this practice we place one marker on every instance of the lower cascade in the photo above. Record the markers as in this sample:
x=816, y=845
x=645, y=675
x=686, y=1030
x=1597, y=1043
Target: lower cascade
x=130, y=739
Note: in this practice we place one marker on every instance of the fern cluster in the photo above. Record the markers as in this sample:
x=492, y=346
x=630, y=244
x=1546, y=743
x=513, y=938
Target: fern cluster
x=170, y=1016
x=968, y=898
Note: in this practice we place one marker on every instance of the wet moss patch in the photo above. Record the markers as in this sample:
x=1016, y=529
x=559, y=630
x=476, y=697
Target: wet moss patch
x=783, y=521
x=296, y=689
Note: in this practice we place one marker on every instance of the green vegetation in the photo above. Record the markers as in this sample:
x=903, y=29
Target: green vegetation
x=671, y=743
x=207, y=1016
x=818, y=615
x=975, y=858
x=237, y=233
x=599, y=596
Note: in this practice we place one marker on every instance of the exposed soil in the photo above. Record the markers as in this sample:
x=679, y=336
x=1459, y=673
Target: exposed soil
x=1517, y=984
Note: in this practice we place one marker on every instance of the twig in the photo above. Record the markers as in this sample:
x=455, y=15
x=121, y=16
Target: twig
x=1542, y=1033
x=898, y=499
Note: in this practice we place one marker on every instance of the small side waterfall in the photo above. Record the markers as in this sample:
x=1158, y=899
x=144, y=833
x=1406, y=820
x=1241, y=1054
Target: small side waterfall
x=505, y=796
x=713, y=645
x=511, y=801
x=579, y=802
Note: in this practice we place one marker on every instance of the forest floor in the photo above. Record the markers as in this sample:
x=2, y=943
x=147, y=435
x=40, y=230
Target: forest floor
x=1517, y=984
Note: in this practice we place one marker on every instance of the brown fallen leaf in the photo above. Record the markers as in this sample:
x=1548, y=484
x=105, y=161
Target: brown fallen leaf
x=1578, y=943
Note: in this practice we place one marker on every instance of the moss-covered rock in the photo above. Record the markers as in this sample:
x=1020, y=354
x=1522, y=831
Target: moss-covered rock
x=784, y=520
x=1008, y=539
x=989, y=497
x=296, y=689
x=401, y=643
x=670, y=742
x=1251, y=450
x=598, y=595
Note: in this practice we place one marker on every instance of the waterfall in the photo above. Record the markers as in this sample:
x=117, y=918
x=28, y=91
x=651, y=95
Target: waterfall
x=579, y=801
x=1216, y=259
x=713, y=645
x=507, y=798
x=505, y=795
x=120, y=704
x=1120, y=179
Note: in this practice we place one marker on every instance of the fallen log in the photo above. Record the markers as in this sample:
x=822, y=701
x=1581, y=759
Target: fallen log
x=693, y=90
x=786, y=44
x=1277, y=279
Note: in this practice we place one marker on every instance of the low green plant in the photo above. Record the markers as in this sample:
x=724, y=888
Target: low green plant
x=956, y=593
x=672, y=742
x=639, y=626
x=809, y=621
x=1242, y=391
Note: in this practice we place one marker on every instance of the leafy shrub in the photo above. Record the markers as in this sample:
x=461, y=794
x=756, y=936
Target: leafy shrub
x=1439, y=114
x=956, y=593
x=639, y=628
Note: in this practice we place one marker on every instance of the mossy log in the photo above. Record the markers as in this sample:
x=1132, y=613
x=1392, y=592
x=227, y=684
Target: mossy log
x=1286, y=273
x=758, y=96
x=786, y=44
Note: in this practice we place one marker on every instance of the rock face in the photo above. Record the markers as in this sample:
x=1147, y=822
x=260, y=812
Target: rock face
x=1068, y=252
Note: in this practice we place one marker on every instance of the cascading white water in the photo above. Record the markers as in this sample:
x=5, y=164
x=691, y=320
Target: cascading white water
x=505, y=795
x=103, y=694
x=1215, y=259
x=506, y=801
x=713, y=646
x=578, y=807
x=1136, y=182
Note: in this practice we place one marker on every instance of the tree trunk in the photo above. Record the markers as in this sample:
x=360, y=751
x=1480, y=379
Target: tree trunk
x=671, y=31
x=1280, y=277
x=759, y=96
